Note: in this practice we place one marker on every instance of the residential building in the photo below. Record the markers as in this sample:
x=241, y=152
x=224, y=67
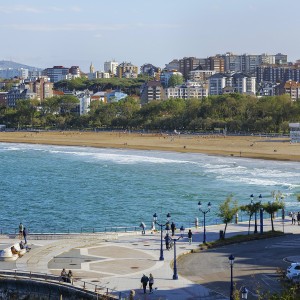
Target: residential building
x=10, y=73
x=151, y=91
x=200, y=75
x=111, y=67
x=227, y=83
x=172, y=66
x=150, y=70
x=18, y=92
x=215, y=63
x=57, y=73
x=75, y=71
x=84, y=98
x=43, y=88
x=281, y=59
x=3, y=99
x=187, y=91
x=127, y=70
x=277, y=73
x=291, y=88
x=115, y=96
x=188, y=64
x=265, y=89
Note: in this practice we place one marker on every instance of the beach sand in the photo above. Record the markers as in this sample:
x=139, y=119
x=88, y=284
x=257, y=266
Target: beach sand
x=237, y=146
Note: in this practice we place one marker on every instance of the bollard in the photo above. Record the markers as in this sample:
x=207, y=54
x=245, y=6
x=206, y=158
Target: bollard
x=237, y=218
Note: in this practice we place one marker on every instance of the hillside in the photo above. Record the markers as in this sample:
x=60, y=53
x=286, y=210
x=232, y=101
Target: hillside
x=5, y=64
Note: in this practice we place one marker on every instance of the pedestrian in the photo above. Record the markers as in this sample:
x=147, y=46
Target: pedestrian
x=151, y=281
x=167, y=240
x=70, y=277
x=143, y=226
x=190, y=235
x=25, y=235
x=196, y=223
x=173, y=228
x=63, y=275
x=153, y=227
x=21, y=228
x=298, y=217
x=144, y=281
x=294, y=218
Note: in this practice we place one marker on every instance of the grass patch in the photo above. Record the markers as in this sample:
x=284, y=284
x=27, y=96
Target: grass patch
x=238, y=239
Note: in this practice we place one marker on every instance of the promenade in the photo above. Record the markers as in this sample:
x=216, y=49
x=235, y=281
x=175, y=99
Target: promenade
x=117, y=261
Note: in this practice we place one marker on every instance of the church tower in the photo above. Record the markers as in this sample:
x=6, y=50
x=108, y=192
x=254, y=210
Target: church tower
x=92, y=69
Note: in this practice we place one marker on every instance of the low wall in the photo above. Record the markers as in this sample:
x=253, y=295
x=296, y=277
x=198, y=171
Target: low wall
x=18, y=289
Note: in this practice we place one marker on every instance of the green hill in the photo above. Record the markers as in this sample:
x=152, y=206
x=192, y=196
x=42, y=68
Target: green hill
x=5, y=64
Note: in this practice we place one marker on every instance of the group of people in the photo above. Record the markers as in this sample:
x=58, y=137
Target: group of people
x=295, y=217
x=144, y=280
x=66, y=277
x=22, y=232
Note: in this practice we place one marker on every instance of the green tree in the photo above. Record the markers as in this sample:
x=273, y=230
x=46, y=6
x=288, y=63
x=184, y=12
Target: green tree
x=250, y=210
x=174, y=80
x=273, y=206
x=227, y=211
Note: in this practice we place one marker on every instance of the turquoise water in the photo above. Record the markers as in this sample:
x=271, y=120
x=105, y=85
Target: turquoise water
x=79, y=188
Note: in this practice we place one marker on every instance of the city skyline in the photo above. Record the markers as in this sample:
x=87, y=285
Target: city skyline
x=73, y=33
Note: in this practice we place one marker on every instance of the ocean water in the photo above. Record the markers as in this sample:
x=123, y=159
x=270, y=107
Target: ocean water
x=57, y=188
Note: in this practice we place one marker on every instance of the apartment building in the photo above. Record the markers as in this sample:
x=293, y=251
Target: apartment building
x=166, y=75
x=291, y=88
x=150, y=70
x=200, y=75
x=127, y=70
x=187, y=91
x=57, y=73
x=111, y=67
x=277, y=73
x=151, y=91
x=188, y=64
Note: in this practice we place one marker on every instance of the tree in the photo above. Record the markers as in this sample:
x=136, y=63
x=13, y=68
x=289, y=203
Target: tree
x=250, y=210
x=227, y=210
x=174, y=80
x=272, y=207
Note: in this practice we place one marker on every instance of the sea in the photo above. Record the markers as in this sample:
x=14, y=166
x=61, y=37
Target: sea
x=84, y=189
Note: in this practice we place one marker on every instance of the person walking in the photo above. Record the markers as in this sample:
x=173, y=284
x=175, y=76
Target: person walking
x=143, y=226
x=144, y=281
x=25, y=235
x=21, y=228
x=173, y=228
x=294, y=218
x=151, y=281
x=190, y=236
x=298, y=217
x=168, y=241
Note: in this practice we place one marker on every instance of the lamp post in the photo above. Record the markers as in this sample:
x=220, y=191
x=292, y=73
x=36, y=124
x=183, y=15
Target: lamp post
x=161, y=257
x=204, y=214
x=231, y=261
x=175, y=275
x=255, y=213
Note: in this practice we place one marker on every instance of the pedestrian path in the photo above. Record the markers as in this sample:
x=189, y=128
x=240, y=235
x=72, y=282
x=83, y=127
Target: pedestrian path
x=118, y=261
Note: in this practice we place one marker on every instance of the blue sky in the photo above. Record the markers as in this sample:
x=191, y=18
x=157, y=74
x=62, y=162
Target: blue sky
x=71, y=32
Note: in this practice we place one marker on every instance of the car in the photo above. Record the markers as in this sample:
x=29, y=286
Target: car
x=293, y=270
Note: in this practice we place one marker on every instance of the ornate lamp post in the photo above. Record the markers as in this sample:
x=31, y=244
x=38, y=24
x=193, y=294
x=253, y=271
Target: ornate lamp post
x=231, y=261
x=204, y=214
x=255, y=213
x=161, y=233
x=175, y=275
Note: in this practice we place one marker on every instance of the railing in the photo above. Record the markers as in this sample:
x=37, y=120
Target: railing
x=78, y=284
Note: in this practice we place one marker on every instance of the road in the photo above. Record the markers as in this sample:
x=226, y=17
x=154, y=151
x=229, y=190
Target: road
x=255, y=265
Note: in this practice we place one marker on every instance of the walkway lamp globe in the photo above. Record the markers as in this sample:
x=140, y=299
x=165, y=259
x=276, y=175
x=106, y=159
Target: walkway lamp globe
x=231, y=262
x=161, y=257
x=181, y=231
x=204, y=215
x=244, y=293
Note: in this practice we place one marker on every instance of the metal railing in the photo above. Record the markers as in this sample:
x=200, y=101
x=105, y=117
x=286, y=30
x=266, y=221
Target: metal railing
x=79, y=284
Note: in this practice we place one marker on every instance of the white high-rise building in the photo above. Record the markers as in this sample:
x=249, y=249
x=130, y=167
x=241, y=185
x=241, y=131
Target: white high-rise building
x=111, y=67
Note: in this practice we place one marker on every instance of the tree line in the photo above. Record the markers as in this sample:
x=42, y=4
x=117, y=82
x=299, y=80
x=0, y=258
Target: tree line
x=235, y=112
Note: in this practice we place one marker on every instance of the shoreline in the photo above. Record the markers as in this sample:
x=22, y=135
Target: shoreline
x=216, y=145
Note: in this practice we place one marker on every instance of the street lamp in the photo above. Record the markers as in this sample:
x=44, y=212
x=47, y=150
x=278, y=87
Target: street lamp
x=161, y=233
x=204, y=214
x=255, y=213
x=231, y=261
x=181, y=231
x=175, y=275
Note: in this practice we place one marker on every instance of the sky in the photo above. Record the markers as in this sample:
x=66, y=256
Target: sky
x=44, y=34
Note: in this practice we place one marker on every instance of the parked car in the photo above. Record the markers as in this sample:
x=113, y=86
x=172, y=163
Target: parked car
x=293, y=270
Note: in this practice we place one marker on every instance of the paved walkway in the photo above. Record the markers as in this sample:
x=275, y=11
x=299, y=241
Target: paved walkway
x=117, y=261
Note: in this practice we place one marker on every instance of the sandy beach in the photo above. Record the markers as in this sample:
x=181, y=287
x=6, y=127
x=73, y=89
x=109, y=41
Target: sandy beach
x=237, y=146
